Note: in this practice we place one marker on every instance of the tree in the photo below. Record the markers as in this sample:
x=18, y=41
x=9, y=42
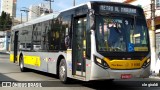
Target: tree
x=5, y=21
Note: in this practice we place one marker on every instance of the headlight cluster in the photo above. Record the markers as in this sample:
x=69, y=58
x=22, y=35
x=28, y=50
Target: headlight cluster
x=146, y=63
x=101, y=63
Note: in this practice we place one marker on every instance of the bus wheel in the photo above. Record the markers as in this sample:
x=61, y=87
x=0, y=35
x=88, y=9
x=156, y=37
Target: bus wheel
x=63, y=71
x=21, y=64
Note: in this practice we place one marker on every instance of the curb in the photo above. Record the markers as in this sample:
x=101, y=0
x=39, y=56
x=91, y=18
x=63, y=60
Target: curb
x=5, y=53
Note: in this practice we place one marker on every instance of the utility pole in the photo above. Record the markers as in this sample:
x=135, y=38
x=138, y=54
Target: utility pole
x=74, y=2
x=21, y=17
x=153, y=37
x=25, y=10
x=50, y=4
x=12, y=17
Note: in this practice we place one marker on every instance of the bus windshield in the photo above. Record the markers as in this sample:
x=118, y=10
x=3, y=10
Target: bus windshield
x=121, y=34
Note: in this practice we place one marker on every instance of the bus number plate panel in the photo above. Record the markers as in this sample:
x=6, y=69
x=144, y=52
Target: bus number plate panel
x=126, y=76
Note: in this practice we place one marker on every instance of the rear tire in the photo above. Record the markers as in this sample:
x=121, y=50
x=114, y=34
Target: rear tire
x=63, y=71
x=21, y=64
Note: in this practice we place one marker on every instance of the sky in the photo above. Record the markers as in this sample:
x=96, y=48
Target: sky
x=57, y=5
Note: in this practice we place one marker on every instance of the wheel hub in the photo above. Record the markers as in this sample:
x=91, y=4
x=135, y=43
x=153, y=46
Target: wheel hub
x=62, y=72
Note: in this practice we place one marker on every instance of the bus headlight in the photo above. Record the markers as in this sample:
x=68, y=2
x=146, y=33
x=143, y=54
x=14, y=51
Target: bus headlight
x=146, y=63
x=101, y=63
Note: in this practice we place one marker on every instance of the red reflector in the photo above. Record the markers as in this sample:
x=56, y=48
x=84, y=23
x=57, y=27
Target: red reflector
x=126, y=76
x=88, y=65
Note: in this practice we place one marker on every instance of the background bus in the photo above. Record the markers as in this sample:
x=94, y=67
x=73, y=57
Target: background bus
x=92, y=41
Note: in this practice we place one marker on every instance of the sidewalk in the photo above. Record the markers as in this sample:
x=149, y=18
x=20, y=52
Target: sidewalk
x=155, y=77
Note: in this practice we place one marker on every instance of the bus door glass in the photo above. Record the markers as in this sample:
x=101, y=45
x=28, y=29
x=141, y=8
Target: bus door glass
x=79, y=46
x=15, y=45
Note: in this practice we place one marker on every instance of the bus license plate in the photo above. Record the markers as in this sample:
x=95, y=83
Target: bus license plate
x=126, y=76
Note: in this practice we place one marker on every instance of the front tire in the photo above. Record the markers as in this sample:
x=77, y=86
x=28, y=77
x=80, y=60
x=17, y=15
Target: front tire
x=21, y=64
x=63, y=71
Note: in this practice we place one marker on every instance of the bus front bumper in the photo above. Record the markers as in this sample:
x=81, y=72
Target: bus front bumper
x=99, y=73
x=137, y=73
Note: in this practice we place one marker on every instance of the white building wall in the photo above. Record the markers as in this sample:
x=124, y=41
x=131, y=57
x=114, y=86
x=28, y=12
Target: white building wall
x=9, y=6
x=34, y=12
x=44, y=5
x=38, y=10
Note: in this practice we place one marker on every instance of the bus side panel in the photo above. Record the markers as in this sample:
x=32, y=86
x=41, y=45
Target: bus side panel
x=32, y=60
x=42, y=61
x=69, y=62
x=11, y=57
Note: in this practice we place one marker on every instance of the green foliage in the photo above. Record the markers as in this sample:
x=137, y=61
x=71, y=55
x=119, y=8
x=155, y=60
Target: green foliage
x=5, y=21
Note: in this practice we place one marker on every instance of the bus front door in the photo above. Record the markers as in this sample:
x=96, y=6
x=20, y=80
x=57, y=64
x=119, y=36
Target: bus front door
x=79, y=46
x=15, y=46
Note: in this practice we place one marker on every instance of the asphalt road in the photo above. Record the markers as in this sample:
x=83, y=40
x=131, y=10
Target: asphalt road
x=10, y=72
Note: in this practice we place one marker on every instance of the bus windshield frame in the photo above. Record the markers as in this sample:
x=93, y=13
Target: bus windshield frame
x=121, y=33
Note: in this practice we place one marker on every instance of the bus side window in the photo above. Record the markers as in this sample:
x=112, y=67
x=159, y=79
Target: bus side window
x=62, y=36
x=55, y=34
x=36, y=37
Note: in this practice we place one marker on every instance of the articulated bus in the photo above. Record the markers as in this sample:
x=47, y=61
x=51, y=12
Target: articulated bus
x=93, y=41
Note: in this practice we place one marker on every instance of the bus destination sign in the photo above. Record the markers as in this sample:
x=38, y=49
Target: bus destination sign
x=117, y=9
